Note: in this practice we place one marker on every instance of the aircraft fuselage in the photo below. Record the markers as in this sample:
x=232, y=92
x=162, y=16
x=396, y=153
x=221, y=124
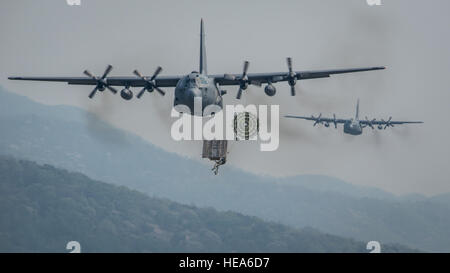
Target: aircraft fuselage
x=353, y=127
x=196, y=85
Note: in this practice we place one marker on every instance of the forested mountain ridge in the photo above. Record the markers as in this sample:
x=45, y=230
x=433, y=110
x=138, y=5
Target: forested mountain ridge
x=72, y=139
x=42, y=208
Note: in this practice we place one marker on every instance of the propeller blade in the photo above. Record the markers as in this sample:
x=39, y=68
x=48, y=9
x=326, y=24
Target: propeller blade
x=369, y=123
x=157, y=71
x=137, y=73
x=388, y=123
x=89, y=74
x=108, y=69
x=112, y=89
x=92, y=94
x=101, y=83
x=239, y=94
x=291, y=76
x=160, y=91
x=289, y=63
x=292, y=90
x=318, y=120
x=334, y=121
x=149, y=83
x=141, y=92
x=246, y=65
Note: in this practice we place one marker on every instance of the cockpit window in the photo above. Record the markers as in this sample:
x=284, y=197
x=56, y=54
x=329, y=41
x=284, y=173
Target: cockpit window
x=202, y=80
x=196, y=80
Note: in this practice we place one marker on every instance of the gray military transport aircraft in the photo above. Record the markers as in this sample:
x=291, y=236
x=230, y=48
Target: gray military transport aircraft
x=354, y=126
x=196, y=84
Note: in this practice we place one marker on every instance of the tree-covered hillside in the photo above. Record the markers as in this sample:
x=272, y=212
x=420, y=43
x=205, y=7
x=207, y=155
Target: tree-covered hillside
x=42, y=208
x=72, y=139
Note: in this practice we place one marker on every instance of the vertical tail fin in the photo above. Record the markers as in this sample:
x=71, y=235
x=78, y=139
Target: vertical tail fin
x=203, y=69
x=357, y=110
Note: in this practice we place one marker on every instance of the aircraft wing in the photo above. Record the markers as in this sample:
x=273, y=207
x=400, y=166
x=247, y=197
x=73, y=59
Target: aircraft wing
x=162, y=81
x=386, y=123
x=171, y=81
x=392, y=122
x=319, y=119
x=234, y=79
x=103, y=82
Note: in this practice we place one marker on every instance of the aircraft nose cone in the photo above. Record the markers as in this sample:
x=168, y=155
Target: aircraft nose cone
x=193, y=98
x=192, y=93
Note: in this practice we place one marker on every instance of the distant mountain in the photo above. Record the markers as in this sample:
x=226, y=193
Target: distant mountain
x=42, y=208
x=70, y=138
x=443, y=199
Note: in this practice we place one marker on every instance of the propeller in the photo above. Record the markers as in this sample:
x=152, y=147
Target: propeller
x=334, y=121
x=388, y=123
x=318, y=120
x=150, y=83
x=370, y=122
x=244, y=82
x=101, y=82
x=291, y=76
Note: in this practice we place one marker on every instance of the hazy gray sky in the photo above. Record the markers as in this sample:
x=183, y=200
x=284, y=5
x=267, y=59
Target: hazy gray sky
x=410, y=37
